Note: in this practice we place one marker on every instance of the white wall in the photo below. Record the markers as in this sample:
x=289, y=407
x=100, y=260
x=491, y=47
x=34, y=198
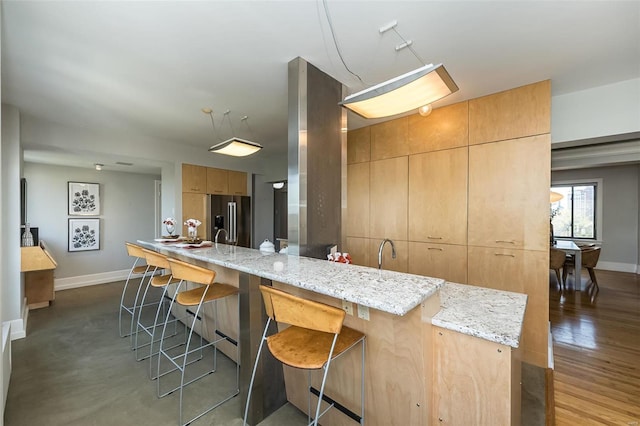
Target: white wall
x=13, y=307
x=612, y=109
x=127, y=214
x=620, y=228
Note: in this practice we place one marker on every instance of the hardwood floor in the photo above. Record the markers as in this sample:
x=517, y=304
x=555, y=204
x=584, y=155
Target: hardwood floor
x=596, y=347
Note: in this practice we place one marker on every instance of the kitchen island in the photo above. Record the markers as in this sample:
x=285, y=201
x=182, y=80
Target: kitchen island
x=436, y=352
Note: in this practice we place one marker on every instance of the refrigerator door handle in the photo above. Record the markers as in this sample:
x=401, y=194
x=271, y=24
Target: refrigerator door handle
x=233, y=228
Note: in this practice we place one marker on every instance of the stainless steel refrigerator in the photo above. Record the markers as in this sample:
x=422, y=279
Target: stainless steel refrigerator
x=233, y=214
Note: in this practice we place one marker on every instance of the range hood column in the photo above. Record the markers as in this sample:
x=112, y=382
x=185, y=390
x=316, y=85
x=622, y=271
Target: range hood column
x=317, y=160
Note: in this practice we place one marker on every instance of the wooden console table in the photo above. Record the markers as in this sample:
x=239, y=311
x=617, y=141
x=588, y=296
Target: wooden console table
x=38, y=266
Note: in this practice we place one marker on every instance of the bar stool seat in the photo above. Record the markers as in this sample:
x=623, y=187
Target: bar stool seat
x=136, y=271
x=207, y=291
x=315, y=337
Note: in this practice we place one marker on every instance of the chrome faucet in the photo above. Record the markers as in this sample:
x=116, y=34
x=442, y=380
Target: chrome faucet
x=226, y=236
x=393, y=251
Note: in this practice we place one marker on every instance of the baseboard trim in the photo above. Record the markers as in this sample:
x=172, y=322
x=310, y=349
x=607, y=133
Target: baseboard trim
x=550, y=403
x=19, y=326
x=6, y=361
x=91, y=279
x=618, y=267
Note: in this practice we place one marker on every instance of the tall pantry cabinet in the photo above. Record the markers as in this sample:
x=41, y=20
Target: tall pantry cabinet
x=464, y=195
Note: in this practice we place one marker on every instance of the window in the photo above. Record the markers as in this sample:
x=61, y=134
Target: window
x=574, y=216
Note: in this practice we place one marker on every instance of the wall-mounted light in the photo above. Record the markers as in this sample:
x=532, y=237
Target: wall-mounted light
x=98, y=166
x=278, y=185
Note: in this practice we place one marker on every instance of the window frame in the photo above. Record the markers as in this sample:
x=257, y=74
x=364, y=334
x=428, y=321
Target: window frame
x=598, y=208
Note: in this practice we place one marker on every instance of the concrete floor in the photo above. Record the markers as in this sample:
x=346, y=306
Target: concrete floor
x=74, y=369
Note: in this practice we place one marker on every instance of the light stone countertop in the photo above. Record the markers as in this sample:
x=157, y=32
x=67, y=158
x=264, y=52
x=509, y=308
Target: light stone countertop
x=388, y=291
x=485, y=313
x=489, y=314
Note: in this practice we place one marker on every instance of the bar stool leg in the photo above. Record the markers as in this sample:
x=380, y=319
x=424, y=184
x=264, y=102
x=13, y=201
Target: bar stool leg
x=156, y=325
x=161, y=352
x=253, y=374
x=134, y=343
x=123, y=307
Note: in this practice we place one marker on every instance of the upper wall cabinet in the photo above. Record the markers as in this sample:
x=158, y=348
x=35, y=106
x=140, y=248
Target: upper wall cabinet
x=359, y=145
x=509, y=193
x=194, y=179
x=217, y=181
x=390, y=139
x=237, y=183
x=516, y=113
x=438, y=196
x=444, y=128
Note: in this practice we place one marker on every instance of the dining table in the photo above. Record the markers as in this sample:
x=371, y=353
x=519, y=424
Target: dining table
x=572, y=248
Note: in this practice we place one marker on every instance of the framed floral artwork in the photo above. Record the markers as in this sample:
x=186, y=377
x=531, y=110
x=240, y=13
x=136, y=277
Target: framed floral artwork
x=84, y=199
x=84, y=234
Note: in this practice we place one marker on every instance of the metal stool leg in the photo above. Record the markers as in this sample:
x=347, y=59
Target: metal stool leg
x=253, y=374
x=129, y=309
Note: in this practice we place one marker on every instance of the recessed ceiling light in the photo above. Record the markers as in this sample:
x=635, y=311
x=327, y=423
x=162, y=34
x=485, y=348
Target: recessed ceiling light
x=98, y=166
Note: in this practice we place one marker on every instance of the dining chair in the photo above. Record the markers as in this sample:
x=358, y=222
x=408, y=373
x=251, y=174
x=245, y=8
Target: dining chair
x=556, y=262
x=590, y=256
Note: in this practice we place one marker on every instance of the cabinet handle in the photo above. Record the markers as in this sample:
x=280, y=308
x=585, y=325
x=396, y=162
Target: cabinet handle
x=505, y=241
x=503, y=254
x=434, y=238
x=434, y=248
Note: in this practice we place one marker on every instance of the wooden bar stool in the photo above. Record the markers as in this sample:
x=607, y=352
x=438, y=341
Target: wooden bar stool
x=206, y=291
x=315, y=337
x=136, y=271
x=156, y=261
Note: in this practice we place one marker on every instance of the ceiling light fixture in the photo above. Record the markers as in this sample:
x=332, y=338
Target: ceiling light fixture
x=98, y=166
x=234, y=146
x=415, y=89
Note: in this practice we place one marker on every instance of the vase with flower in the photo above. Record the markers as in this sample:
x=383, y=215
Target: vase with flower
x=192, y=228
x=170, y=225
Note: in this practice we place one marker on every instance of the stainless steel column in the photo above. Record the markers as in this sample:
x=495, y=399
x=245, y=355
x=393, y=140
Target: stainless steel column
x=317, y=160
x=268, y=388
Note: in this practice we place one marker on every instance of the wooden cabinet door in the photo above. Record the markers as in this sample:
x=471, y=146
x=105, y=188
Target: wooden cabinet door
x=390, y=139
x=237, y=182
x=194, y=178
x=522, y=271
x=357, y=223
x=218, y=181
x=388, y=198
x=444, y=128
x=509, y=193
x=194, y=206
x=516, y=113
x=446, y=261
x=438, y=196
x=472, y=381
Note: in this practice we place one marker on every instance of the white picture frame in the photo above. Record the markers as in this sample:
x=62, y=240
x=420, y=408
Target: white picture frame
x=84, y=234
x=83, y=199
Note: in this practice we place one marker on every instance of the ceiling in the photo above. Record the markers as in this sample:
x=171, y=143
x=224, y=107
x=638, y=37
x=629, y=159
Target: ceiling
x=147, y=68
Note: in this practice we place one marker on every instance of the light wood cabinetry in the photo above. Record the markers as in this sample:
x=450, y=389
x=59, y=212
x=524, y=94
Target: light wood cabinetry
x=237, y=183
x=522, y=271
x=444, y=128
x=438, y=196
x=194, y=206
x=509, y=193
x=217, y=181
x=390, y=139
x=474, y=381
x=359, y=145
x=388, y=198
x=446, y=261
x=38, y=266
x=358, y=200
x=194, y=178
x=515, y=113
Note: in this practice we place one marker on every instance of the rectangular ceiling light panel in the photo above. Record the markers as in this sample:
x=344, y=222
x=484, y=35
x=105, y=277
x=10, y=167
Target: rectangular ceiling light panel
x=401, y=94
